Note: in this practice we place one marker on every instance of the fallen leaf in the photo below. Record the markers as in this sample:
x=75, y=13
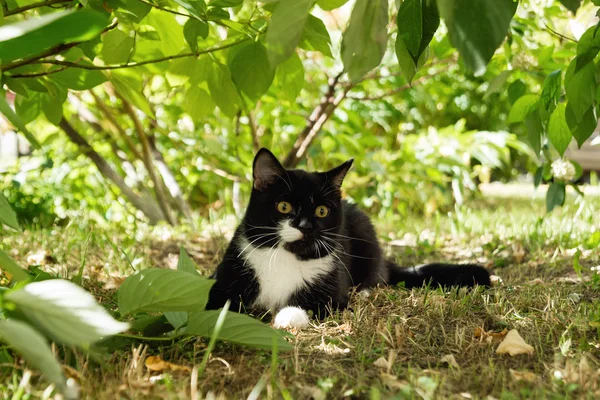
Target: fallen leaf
x=155, y=363
x=513, y=344
x=490, y=336
x=537, y=281
x=523, y=375
x=449, y=358
x=382, y=362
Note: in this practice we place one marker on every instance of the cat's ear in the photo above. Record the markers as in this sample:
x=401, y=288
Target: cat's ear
x=336, y=176
x=266, y=169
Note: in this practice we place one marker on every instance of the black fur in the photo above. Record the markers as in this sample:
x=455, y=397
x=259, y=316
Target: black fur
x=347, y=232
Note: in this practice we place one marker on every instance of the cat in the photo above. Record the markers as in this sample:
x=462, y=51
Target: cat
x=300, y=247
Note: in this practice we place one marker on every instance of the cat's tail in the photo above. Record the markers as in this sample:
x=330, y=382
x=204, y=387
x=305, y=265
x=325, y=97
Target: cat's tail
x=438, y=274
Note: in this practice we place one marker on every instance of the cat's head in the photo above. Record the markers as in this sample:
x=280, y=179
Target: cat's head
x=297, y=209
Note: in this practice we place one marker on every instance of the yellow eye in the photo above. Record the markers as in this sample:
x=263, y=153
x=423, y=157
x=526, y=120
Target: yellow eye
x=322, y=211
x=284, y=207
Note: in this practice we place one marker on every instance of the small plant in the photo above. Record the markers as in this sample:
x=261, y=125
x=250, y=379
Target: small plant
x=56, y=309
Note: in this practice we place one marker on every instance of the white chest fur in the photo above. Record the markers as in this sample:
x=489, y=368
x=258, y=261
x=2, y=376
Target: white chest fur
x=280, y=274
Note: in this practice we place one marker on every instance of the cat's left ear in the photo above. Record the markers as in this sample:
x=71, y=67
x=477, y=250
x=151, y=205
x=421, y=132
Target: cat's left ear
x=266, y=169
x=336, y=176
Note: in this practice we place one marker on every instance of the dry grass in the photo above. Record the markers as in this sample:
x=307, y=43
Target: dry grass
x=394, y=344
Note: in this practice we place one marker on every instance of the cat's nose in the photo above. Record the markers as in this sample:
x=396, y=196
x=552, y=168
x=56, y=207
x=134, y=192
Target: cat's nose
x=305, y=225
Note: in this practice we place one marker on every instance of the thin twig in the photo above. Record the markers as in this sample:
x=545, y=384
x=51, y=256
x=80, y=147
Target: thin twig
x=165, y=9
x=50, y=52
x=560, y=35
x=18, y=10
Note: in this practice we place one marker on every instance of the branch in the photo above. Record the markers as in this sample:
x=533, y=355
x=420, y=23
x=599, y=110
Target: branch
x=147, y=158
x=560, y=35
x=164, y=9
x=134, y=64
x=149, y=209
x=50, y=52
x=18, y=10
x=315, y=122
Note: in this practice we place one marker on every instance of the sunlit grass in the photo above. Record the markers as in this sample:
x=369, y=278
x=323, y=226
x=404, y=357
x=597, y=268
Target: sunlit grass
x=542, y=297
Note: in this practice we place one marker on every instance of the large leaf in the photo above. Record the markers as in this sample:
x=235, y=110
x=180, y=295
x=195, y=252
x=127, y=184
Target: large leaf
x=163, y=290
x=251, y=71
x=131, y=88
x=328, y=5
x=66, y=312
x=580, y=85
x=583, y=128
x=78, y=78
x=17, y=122
x=34, y=35
x=196, y=8
x=555, y=196
x=7, y=215
x=290, y=77
x=7, y=264
x=558, y=130
x=477, y=28
x=417, y=21
x=551, y=91
x=524, y=106
x=192, y=30
x=535, y=131
x=222, y=89
x=315, y=36
x=364, y=41
x=572, y=5
x=285, y=29
x=117, y=47
x=132, y=11
x=237, y=328
x=34, y=348
x=185, y=264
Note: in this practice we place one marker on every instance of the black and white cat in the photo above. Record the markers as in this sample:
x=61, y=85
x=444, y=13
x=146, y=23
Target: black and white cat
x=301, y=247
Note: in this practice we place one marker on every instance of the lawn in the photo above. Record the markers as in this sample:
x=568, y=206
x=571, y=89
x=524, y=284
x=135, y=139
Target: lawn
x=422, y=343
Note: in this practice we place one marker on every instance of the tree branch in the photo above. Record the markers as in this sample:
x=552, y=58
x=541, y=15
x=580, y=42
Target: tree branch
x=50, y=52
x=164, y=9
x=18, y=10
x=148, y=208
x=147, y=158
x=315, y=122
x=132, y=64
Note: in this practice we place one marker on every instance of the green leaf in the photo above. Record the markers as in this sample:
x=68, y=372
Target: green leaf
x=198, y=104
x=285, y=29
x=477, y=28
x=196, y=8
x=7, y=215
x=496, y=85
x=226, y=3
x=52, y=107
x=555, y=196
x=417, y=21
x=251, y=71
x=177, y=319
x=558, y=130
x=34, y=348
x=364, y=41
x=522, y=108
x=117, y=47
x=28, y=108
x=580, y=86
x=571, y=5
x=535, y=130
x=329, y=5
x=222, y=89
x=14, y=119
x=539, y=174
x=163, y=290
x=238, y=328
x=79, y=79
x=33, y=36
x=589, y=42
x=132, y=11
x=290, y=77
x=185, y=263
x=551, y=91
x=7, y=264
x=64, y=311
x=315, y=37
x=131, y=88
x=187, y=69
x=516, y=90
x=217, y=14
x=583, y=128
x=192, y=30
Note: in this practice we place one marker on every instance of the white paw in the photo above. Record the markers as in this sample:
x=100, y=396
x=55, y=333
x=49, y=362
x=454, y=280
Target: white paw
x=365, y=293
x=291, y=317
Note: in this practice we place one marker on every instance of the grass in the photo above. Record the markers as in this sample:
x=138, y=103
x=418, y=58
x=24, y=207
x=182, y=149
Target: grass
x=392, y=344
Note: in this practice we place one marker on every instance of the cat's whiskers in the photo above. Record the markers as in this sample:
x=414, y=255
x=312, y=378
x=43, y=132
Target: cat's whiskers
x=347, y=237
x=333, y=252
x=339, y=249
x=258, y=237
x=256, y=248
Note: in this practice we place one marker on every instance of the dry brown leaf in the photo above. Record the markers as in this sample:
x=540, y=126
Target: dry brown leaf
x=155, y=363
x=382, y=362
x=449, y=358
x=513, y=344
x=523, y=376
x=490, y=336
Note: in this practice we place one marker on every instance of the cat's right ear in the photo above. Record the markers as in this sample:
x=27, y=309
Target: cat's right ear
x=266, y=169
